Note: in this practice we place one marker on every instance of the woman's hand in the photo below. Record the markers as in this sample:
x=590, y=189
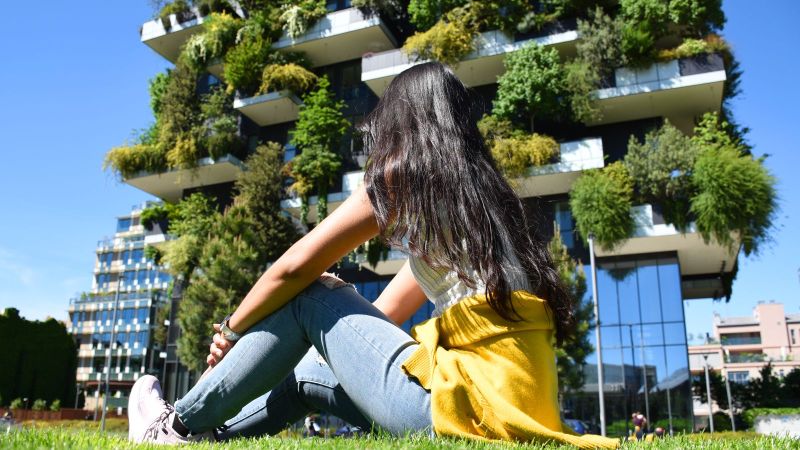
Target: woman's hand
x=219, y=347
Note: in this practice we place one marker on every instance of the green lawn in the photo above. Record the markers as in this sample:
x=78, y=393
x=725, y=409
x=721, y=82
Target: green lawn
x=76, y=435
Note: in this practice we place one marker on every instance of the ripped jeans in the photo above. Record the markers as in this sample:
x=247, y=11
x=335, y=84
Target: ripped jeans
x=327, y=349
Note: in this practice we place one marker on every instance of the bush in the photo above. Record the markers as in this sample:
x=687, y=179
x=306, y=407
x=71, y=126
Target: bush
x=661, y=167
x=532, y=85
x=244, y=65
x=749, y=415
x=448, y=41
x=638, y=44
x=184, y=153
x=601, y=202
x=155, y=214
x=295, y=78
x=423, y=14
x=39, y=405
x=16, y=404
x=693, y=47
x=651, y=14
x=56, y=405
x=514, y=155
x=176, y=7
x=128, y=161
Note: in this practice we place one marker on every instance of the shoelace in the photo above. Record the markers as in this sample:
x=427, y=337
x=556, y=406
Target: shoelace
x=160, y=424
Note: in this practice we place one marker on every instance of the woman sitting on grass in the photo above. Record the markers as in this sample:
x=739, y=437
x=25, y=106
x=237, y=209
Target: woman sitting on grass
x=302, y=340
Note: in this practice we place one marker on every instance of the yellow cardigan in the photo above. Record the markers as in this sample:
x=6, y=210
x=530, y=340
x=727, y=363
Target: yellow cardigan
x=491, y=378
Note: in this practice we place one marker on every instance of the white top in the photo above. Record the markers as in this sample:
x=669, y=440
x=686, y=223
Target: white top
x=443, y=287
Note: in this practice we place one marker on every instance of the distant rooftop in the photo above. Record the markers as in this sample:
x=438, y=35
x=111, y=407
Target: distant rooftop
x=731, y=321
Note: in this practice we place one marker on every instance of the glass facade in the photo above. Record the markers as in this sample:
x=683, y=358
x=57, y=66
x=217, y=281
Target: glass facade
x=645, y=358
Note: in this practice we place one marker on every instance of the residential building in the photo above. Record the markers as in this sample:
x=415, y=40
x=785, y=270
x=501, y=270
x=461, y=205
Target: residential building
x=642, y=283
x=113, y=323
x=742, y=346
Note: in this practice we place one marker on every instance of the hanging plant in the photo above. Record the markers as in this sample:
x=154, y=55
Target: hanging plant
x=601, y=202
x=515, y=155
x=297, y=18
x=244, y=64
x=219, y=34
x=129, y=160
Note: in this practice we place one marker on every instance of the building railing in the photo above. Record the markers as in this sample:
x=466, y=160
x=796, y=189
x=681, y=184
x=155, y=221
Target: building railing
x=740, y=340
x=667, y=70
x=126, y=296
x=745, y=357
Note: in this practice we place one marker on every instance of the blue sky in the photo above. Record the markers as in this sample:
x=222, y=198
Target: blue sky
x=75, y=84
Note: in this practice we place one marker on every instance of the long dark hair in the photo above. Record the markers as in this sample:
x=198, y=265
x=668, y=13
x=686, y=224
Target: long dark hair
x=431, y=179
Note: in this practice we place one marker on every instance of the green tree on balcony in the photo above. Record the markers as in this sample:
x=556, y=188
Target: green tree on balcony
x=317, y=135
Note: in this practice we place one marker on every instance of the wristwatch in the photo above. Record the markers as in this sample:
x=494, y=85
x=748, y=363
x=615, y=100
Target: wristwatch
x=226, y=332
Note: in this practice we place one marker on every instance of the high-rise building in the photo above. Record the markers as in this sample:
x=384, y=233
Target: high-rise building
x=114, y=323
x=642, y=282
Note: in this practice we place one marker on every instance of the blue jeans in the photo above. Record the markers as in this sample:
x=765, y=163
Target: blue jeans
x=327, y=349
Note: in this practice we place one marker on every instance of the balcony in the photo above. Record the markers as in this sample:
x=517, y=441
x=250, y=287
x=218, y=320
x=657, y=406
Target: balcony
x=480, y=67
x=169, y=186
x=270, y=108
x=557, y=178
x=350, y=182
x=340, y=36
x=168, y=41
x=695, y=255
x=393, y=263
x=678, y=90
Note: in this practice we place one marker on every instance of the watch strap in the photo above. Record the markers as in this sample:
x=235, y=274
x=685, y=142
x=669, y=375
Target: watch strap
x=226, y=331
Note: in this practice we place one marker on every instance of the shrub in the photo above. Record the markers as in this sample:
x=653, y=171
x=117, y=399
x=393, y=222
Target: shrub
x=390, y=8
x=652, y=14
x=693, y=47
x=661, y=167
x=56, y=405
x=16, y=404
x=128, y=161
x=514, y=155
x=735, y=193
x=295, y=78
x=39, y=405
x=176, y=7
x=184, y=153
x=315, y=168
x=156, y=87
x=244, y=65
x=423, y=14
x=180, y=105
x=155, y=214
x=532, y=85
x=299, y=17
x=601, y=202
x=449, y=40
x=219, y=34
x=638, y=44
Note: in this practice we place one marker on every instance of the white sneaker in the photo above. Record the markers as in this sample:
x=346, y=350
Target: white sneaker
x=145, y=393
x=150, y=417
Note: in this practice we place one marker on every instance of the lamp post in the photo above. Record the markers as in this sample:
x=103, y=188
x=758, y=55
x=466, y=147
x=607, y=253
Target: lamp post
x=708, y=395
x=730, y=398
x=108, y=358
x=600, y=397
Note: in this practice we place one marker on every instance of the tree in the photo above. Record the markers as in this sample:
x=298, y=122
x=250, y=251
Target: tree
x=318, y=132
x=719, y=393
x=573, y=350
x=259, y=193
x=532, y=85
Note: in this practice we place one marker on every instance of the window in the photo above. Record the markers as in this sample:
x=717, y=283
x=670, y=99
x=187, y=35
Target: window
x=793, y=339
x=137, y=255
x=141, y=315
x=141, y=277
x=123, y=224
x=129, y=276
x=566, y=224
x=142, y=339
x=126, y=256
x=738, y=377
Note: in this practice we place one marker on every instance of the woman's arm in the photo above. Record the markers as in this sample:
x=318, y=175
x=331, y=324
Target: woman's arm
x=348, y=226
x=402, y=297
